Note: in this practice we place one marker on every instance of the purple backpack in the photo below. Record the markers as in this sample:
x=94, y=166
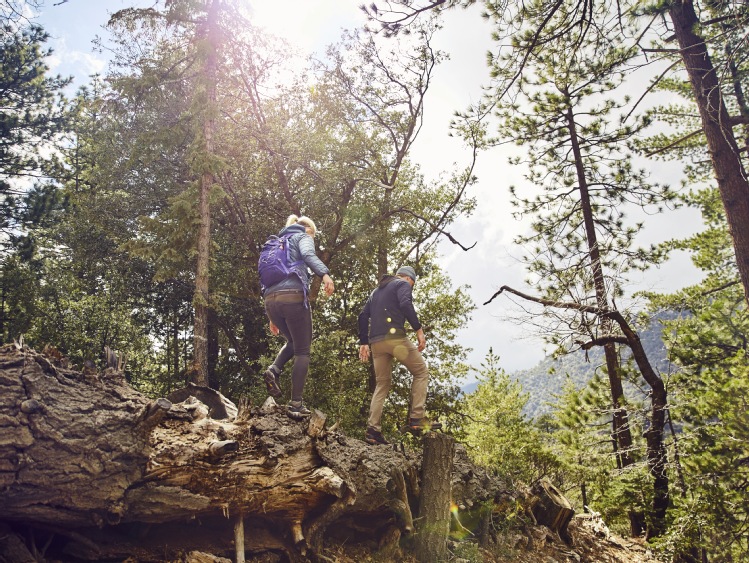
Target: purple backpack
x=274, y=264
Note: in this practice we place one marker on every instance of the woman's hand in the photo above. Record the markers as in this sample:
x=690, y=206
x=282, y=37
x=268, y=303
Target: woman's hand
x=274, y=329
x=328, y=285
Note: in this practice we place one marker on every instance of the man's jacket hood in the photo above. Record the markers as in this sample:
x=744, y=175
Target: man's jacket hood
x=384, y=280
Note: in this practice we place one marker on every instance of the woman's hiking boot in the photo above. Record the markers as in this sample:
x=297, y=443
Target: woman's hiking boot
x=297, y=410
x=375, y=437
x=271, y=383
x=417, y=426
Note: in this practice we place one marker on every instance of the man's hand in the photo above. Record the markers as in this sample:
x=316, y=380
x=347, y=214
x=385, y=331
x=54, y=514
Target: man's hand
x=421, y=339
x=364, y=352
x=328, y=285
x=274, y=329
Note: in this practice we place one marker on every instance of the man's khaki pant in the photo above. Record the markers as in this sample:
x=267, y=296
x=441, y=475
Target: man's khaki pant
x=403, y=350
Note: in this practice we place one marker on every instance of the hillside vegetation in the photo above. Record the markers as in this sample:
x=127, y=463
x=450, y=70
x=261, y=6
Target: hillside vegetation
x=544, y=381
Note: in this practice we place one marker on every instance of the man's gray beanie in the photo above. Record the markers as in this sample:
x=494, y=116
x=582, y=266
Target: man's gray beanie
x=406, y=271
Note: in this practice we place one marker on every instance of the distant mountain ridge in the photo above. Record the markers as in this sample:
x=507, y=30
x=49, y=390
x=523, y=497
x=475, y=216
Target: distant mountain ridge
x=545, y=380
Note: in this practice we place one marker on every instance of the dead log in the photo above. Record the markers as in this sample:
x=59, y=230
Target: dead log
x=219, y=407
x=112, y=474
x=551, y=508
x=156, y=411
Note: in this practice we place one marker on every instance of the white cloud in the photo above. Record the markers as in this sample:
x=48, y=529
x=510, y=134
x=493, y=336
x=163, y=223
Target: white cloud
x=72, y=62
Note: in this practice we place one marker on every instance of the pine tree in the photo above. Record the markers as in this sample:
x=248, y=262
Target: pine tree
x=710, y=414
x=496, y=433
x=717, y=125
x=31, y=123
x=580, y=246
x=695, y=26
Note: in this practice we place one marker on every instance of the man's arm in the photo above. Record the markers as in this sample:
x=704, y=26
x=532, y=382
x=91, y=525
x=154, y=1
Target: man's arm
x=364, y=332
x=421, y=339
x=364, y=352
x=363, y=322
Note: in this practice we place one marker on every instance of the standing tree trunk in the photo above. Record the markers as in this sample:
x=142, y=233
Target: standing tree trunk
x=434, y=504
x=620, y=419
x=206, y=102
x=656, y=449
x=716, y=123
x=212, y=350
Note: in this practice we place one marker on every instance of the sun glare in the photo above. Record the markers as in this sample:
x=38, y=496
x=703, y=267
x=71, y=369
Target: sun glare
x=308, y=24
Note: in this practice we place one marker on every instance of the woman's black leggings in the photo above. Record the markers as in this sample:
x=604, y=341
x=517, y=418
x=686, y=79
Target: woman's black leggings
x=287, y=310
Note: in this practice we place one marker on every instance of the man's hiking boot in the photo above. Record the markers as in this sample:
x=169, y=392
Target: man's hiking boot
x=297, y=411
x=375, y=437
x=417, y=426
x=271, y=383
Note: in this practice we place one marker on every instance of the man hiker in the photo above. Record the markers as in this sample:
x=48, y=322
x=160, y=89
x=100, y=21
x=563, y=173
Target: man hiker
x=382, y=330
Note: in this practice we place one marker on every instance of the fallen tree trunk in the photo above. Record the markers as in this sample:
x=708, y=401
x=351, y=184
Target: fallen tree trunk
x=99, y=471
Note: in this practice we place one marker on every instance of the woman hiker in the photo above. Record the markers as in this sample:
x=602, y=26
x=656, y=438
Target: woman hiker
x=287, y=307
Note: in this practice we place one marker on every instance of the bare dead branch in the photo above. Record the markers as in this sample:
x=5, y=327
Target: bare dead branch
x=435, y=228
x=603, y=340
x=650, y=88
x=548, y=302
x=675, y=143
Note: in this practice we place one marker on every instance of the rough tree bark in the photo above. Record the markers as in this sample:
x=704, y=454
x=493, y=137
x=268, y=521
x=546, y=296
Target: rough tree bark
x=100, y=472
x=434, y=508
x=717, y=125
x=201, y=299
x=656, y=448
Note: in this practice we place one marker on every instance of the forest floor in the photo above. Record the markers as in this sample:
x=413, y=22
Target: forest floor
x=592, y=543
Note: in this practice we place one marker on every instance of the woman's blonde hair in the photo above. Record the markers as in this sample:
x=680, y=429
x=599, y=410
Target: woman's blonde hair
x=306, y=221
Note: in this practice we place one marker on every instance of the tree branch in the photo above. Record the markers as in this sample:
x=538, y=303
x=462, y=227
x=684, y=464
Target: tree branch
x=401, y=20
x=548, y=302
x=603, y=340
x=675, y=143
x=435, y=228
x=735, y=120
x=721, y=287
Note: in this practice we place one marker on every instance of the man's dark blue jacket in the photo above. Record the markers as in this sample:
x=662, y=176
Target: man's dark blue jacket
x=386, y=311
